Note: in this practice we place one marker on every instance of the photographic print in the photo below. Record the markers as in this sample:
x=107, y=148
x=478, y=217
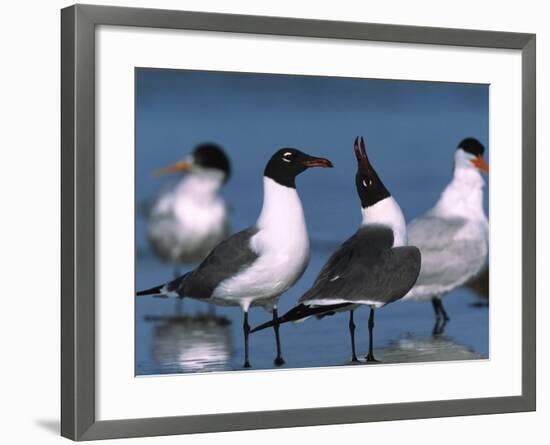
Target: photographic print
x=290, y=221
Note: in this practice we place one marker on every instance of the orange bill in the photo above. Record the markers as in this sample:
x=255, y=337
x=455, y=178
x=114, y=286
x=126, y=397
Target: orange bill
x=180, y=166
x=480, y=164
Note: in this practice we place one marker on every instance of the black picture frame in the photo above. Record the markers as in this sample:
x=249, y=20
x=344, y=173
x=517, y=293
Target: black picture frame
x=78, y=23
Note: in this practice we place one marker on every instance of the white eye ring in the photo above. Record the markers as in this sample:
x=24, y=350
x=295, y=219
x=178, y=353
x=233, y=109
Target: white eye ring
x=365, y=184
x=288, y=153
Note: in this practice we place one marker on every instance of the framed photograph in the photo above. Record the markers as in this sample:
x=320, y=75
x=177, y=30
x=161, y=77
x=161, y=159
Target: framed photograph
x=256, y=209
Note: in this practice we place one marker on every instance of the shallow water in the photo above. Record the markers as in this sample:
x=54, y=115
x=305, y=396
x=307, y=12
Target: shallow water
x=411, y=130
x=176, y=337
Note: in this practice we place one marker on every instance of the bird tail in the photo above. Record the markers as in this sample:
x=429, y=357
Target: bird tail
x=300, y=313
x=169, y=289
x=157, y=290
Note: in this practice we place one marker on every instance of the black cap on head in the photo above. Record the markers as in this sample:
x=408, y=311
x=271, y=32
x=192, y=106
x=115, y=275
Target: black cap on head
x=287, y=163
x=472, y=146
x=369, y=186
x=212, y=156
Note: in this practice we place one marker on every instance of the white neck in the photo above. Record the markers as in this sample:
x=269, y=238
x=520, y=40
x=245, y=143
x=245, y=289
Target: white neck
x=282, y=207
x=201, y=185
x=463, y=197
x=388, y=213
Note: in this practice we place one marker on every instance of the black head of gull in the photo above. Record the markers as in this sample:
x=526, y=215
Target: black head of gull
x=257, y=265
x=373, y=267
x=370, y=187
x=455, y=227
x=287, y=163
x=205, y=157
x=474, y=150
x=472, y=146
x=211, y=156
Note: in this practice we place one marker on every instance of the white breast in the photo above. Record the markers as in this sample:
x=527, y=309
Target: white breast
x=190, y=220
x=463, y=196
x=450, y=258
x=388, y=213
x=282, y=244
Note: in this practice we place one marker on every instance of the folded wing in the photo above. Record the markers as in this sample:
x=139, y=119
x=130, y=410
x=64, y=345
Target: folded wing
x=366, y=268
x=226, y=260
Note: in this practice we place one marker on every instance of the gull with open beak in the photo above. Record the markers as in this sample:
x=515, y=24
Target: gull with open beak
x=187, y=222
x=256, y=266
x=453, y=236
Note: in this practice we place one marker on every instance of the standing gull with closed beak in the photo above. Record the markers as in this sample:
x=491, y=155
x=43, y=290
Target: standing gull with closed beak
x=453, y=236
x=188, y=221
x=256, y=266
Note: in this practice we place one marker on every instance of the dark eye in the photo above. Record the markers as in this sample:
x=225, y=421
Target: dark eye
x=288, y=156
x=367, y=182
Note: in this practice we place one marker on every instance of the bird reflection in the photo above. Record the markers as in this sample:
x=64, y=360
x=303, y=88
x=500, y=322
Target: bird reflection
x=192, y=344
x=439, y=327
x=426, y=349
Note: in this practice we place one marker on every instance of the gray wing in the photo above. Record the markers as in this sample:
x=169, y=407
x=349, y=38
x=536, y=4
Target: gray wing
x=433, y=233
x=445, y=260
x=366, y=267
x=225, y=260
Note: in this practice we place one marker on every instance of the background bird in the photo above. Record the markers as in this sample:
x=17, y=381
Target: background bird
x=453, y=236
x=374, y=267
x=188, y=221
x=480, y=286
x=256, y=266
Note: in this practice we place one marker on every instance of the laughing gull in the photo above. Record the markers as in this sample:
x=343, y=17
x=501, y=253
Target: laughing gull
x=256, y=266
x=187, y=222
x=374, y=267
x=453, y=236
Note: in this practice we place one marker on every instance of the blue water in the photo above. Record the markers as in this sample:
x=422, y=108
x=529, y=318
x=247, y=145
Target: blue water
x=411, y=129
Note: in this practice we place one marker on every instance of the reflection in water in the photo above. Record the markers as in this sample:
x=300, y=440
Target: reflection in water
x=426, y=349
x=439, y=327
x=191, y=344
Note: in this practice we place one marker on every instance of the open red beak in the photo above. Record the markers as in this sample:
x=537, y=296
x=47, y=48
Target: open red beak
x=480, y=164
x=318, y=162
x=180, y=166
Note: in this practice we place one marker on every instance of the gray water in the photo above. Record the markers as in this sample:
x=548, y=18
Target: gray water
x=411, y=130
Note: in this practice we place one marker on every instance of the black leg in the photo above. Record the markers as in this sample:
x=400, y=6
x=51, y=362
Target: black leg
x=443, y=311
x=439, y=310
x=279, y=361
x=352, y=336
x=435, y=305
x=246, y=331
x=370, y=357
